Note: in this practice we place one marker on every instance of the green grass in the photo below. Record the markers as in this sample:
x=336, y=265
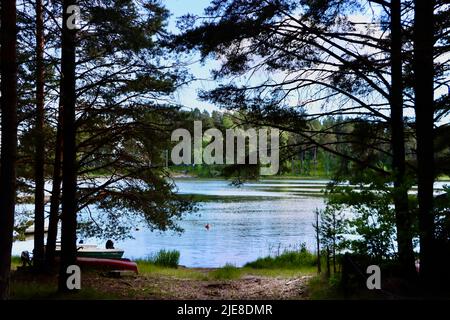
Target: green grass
x=148, y=267
x=31, y=290
x=27, y=290
x=285, y=260
x=227, y=272
x=321, y=288
x=165, y=258
x=230, y=272
x=287, y=264
x=165, y=264
x=15, y=262
x=280, y=272
x=27, y=286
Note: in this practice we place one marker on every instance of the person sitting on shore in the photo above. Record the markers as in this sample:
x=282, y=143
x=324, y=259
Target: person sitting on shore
x=109, y=244
x=26, y=259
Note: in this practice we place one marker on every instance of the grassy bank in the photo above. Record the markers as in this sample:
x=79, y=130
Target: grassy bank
x=160, y=277
x=227, y=272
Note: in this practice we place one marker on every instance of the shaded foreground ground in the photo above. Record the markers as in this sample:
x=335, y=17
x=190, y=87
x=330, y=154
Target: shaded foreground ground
x=164, y=283
x=247, y=287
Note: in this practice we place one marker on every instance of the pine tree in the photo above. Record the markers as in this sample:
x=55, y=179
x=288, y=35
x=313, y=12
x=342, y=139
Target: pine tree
x=8, y=89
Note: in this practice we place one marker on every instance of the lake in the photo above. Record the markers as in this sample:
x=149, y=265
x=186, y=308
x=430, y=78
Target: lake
x=248, y=222
x=245, y=223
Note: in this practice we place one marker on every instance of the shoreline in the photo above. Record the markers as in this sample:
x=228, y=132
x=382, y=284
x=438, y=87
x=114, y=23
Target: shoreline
x=170, y=284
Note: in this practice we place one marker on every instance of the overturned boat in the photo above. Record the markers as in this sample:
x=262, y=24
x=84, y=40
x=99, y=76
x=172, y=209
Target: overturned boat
x=109, y=264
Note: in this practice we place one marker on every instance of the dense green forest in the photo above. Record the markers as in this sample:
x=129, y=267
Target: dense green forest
x=301, y=158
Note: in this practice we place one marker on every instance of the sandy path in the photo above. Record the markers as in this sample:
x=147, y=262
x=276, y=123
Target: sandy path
x=248, y=287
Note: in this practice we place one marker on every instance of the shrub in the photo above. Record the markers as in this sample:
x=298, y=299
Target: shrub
x=287, y=259
x=166, y=258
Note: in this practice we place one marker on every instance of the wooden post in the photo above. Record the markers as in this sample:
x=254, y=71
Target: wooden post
x=328, y=263
x=319, y=267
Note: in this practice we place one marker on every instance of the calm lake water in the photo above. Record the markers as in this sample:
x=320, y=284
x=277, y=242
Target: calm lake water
x=252, y=221
x=248, y=222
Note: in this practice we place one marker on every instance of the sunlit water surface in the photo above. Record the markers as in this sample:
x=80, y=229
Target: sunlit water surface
x=248, y=222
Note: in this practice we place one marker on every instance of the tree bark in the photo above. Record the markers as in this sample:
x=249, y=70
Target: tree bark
x=424, y=101
x=39, y=217
x=402, y=213
x=69, y=167
x=55, y=197
x=8, y=89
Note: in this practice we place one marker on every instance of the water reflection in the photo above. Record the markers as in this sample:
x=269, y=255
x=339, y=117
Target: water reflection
x=241, y=229
x=245, y=223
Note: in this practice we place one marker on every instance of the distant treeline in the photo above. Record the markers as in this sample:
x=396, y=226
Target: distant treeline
x=298, y=156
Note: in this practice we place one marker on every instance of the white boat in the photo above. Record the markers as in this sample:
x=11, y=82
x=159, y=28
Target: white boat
x=93, y=251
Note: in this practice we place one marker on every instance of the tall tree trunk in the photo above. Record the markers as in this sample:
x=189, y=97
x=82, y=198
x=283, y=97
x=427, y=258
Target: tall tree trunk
x=38, y=253
x=402, y=213
x=8, y=89
x=424, y=101
x=69, y=168
x=55, y=197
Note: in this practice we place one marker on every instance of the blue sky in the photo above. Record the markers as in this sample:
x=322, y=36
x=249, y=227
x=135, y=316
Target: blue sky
x=182, y=7
x=187, y=96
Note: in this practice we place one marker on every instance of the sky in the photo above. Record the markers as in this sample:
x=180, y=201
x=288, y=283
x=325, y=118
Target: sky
x=187, y=96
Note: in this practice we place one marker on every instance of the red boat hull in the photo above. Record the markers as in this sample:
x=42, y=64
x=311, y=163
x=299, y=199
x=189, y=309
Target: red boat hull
x=112, y=264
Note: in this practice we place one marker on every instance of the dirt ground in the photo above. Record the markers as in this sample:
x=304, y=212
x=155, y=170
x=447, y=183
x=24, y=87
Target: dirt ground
x=158, y=286
x=247, y=287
